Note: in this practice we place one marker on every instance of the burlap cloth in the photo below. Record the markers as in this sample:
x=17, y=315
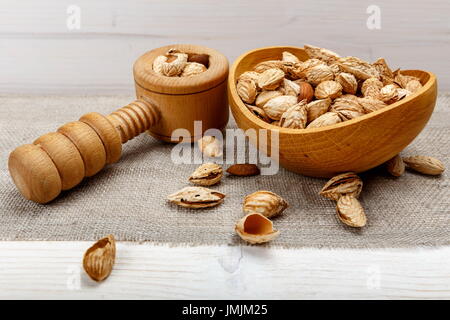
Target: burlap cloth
x=128, y=199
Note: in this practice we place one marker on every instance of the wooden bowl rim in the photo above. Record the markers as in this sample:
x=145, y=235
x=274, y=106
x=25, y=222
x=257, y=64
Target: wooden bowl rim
x=264, y=125
x=146, y=78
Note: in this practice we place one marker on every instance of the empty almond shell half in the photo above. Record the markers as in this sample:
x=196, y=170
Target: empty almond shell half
x=255, y=228
x=350, y=211
x=99, y=259
x=196, y=197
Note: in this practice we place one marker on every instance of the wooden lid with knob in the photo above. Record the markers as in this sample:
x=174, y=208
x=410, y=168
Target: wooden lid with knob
x=146, y=78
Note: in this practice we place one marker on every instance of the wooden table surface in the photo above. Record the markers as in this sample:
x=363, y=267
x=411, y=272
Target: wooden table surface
x=41, y=52
x=39, y=270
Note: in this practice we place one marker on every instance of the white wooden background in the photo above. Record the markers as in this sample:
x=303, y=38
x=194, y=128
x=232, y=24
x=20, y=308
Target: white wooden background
x=39, y=54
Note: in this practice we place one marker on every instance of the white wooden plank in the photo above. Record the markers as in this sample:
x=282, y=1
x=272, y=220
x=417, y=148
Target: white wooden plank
x=40, y=55
x=37, y=270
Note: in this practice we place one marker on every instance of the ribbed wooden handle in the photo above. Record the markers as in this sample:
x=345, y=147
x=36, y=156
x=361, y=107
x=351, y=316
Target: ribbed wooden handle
x=60, y=160
x=133, y=119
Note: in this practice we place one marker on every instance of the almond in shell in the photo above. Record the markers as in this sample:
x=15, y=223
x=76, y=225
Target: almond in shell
x=395, y=166
x=295, y=117
x=265, y=96
x=327, y=119
x=328, y=89
x=192, y=69
x=425, y=165
x=270, y=79
x=267, y=203
x=348, y=82
x=319, y=74
x=317, y=108
x=246, y=89
x=275, y=107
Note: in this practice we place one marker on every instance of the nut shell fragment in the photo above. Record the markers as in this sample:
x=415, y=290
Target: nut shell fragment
x=267, y=203
x=344, y=184
x=350, y=211
x=98, y=261
x=325, y=55
x=196, y=197
x=362, y=70
x=207, y=174
x=289, y=57
x=255, y=228
x=425, y=165
x=260, y=113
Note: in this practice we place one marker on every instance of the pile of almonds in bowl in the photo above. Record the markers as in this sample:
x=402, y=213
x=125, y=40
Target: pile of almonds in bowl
x=321, y=91
x=180, y=64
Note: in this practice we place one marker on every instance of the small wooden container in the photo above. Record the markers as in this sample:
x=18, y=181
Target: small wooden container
x=355, y=145
x=182, y=100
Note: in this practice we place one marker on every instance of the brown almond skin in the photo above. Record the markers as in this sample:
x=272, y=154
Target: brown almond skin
x=243, y=170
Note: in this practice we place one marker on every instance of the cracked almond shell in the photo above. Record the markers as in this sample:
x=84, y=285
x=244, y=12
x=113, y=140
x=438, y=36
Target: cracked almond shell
x=207, y=174
x=196, y=197
x=348, y=183
x=255, y=228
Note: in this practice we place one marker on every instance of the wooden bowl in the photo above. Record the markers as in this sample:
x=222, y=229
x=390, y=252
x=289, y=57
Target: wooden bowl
x=180, y=101
x=356, y=145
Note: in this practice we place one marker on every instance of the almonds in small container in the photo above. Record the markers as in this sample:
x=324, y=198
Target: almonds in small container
x=180, y=64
